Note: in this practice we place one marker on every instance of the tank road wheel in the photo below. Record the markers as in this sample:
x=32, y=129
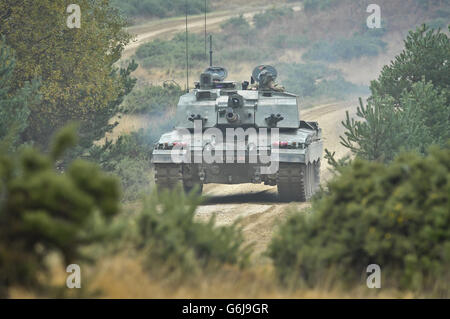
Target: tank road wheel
x=291, y=183
x=167, y=176
x=310, y=180
x=297, y=182
x=191, y=179
x=317, y=175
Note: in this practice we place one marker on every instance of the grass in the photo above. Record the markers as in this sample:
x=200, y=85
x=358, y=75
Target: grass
x=122, y=276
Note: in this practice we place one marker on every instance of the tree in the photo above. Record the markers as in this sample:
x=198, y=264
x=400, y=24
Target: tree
x=14, y=104
x=426, y=54
x=77, y=66
x=409, y=105
x=384, y=129
x=374, y=136
x=425, y=116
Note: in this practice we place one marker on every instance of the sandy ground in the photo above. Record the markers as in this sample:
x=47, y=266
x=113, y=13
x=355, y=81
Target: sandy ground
x=256, y=205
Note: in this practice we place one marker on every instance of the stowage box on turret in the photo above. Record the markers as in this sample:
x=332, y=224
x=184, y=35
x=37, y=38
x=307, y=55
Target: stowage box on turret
x=253, y=134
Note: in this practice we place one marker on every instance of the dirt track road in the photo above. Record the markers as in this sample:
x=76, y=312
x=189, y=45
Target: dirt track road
x=257, y=205
x=169, y=27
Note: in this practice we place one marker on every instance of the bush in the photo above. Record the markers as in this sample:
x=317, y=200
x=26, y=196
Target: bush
x=237, y=25
x=314, y=5
x=392, y=215
x=177, y=245
x=152, y=100
x=44, y=211
x=157, y=8
x=263, y=20
x=172, y=53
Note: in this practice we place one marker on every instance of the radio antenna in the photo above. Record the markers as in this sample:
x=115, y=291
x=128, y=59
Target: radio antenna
x=206, y=54
x=210, y=51
x=187, y=50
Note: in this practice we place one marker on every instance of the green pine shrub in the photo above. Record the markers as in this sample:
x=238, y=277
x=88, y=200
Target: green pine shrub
x=178, y=246
x=395, y=215
x=425, y=55
x=408, y=109
x=45, y=211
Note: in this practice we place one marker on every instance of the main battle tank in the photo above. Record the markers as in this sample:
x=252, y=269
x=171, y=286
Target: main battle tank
x=232, y=133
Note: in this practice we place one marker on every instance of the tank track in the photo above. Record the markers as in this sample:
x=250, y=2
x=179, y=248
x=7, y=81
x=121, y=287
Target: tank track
x=297, y=181
x=191, y=179
x=168, y=176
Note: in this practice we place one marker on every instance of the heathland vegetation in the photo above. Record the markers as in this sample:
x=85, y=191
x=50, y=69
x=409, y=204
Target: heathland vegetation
x=387, y=204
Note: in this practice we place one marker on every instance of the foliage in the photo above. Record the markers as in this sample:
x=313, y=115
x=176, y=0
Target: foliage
x=336, y=164
x=238, y=41
x=176, y=243
x=158, y=8
x=314, y=5
x=154, y=100
x=405, y=111
x=345, y=48
x=99, y=124
x=171, y=53
x=264, y=19
x=235, y=24
x=426, y=54
x=14, y=110
x=129, y=159
x=315, y=80
x=76, y=66
x=43, y=211
x=384, y=130
x=393, y=215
